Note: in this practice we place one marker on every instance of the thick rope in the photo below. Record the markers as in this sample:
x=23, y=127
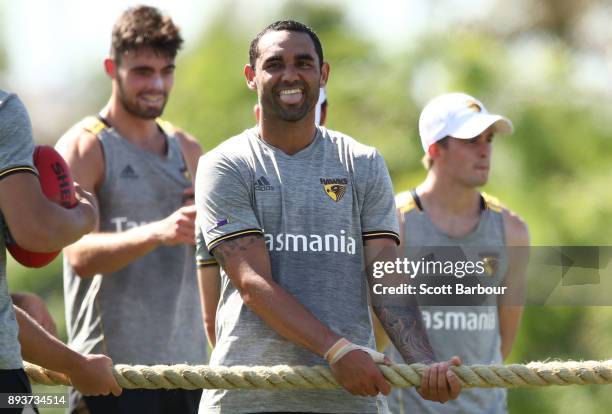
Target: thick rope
x=535, y=374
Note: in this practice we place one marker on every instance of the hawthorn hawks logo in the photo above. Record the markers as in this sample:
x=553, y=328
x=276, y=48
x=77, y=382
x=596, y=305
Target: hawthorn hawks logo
x=490, y=262
x=335, y=188
x=473, y=105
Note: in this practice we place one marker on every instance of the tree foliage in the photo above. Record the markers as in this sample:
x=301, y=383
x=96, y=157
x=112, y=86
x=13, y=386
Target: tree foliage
x=554, y=171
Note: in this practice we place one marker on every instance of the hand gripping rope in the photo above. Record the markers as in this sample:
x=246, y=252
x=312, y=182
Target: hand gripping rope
x=534, y=374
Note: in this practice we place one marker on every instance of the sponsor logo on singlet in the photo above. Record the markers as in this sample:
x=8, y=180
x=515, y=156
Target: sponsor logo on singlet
x=459, y=321
x=123, y=223
x=336, y=243
x=335, y=188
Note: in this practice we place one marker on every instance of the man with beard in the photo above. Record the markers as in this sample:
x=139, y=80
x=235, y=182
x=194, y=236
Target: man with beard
x=209, y=281
x=286, y=209
x=130, y=285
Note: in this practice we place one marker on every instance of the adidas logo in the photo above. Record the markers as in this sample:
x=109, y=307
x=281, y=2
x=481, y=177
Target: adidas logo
x=128, y=172
x=262, y=184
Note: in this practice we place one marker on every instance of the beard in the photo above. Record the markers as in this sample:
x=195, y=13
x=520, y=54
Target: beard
x=133, y=107
x=271, y=104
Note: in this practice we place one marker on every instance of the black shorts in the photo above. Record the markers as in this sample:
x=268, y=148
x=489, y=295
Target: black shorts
x=15, y=381
x=138, y=401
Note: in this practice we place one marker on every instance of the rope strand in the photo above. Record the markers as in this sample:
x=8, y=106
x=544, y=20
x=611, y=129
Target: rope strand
x=534, y=374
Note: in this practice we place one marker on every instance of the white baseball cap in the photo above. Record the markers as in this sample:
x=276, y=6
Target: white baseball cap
x=460, y=116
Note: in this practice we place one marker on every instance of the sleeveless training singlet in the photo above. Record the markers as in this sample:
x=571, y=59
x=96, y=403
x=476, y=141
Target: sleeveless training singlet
x=149, y=311
x=471, y=332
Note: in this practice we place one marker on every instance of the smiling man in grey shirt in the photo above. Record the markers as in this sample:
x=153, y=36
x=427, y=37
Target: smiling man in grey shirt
x=287, y=208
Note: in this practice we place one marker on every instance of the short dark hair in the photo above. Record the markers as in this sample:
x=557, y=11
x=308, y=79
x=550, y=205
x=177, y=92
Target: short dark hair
x=145, y=27
x=290, y=26
x=427, y=161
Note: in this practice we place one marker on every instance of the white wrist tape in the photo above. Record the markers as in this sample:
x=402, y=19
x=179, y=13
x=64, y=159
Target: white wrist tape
x=343, y=347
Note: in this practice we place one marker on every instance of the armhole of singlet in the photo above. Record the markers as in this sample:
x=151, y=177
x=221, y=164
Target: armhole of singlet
x=96, y=132
x=488, y=202
x=417, y=199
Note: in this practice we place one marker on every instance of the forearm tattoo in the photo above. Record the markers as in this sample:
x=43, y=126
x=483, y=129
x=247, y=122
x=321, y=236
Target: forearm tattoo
x=406, y=330
x=230, y=247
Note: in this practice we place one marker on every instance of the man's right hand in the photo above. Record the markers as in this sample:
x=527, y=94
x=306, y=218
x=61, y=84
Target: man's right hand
x=93, y=375
x=359, y=375
x=179, y=227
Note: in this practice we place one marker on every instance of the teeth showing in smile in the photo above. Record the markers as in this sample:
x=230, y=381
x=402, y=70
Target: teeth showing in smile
x=291, y=96
x=153, y=99
x=290, y=91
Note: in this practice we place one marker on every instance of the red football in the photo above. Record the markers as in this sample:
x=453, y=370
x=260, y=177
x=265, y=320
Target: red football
x=57, y=185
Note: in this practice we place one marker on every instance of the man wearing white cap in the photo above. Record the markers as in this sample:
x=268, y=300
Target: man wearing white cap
x=448, y=210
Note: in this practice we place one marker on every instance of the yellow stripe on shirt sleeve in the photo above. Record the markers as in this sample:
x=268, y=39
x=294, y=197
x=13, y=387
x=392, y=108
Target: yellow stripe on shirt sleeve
x=18, y=169
x=235, y=234
x=381, y=234
x=208, y=262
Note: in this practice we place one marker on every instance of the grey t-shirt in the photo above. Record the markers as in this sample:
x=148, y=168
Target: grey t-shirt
x=314, y=209
x=16, y=148
x=202, y=255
